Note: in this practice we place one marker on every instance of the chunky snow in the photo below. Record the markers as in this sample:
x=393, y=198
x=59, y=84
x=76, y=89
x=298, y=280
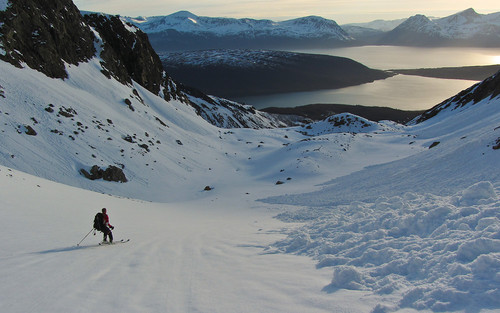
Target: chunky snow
x=342, y=215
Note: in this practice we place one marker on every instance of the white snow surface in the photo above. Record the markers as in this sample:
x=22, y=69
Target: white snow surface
x=3, y=5
x=367, y=217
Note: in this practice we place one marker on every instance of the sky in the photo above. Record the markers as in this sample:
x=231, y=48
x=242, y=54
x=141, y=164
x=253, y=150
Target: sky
x=342, y=11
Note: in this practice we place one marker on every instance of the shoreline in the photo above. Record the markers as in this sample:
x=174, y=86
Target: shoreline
x=478, y=73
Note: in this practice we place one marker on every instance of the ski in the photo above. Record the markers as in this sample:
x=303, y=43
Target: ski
x=104, y=243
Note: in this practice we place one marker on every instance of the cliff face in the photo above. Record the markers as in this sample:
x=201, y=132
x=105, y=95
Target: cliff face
x=44, y=35
x=48, y=35
x=127, y=53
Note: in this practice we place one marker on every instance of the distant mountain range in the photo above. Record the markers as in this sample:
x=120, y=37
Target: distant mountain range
x=183, y=31
x=464, y=28
x=186, y=31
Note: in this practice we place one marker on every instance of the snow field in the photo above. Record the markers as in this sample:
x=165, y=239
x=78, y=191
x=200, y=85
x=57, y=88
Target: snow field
x=392, y=224
x=442, y=253
x=198, y=256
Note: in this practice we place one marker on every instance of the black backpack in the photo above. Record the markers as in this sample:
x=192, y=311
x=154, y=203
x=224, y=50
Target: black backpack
x=99, y=221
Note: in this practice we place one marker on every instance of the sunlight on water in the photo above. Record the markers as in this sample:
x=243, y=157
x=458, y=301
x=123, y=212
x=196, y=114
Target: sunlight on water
x=391, y=57
x=401, y=92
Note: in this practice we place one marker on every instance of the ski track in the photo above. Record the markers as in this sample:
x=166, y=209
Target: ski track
x=182, y=258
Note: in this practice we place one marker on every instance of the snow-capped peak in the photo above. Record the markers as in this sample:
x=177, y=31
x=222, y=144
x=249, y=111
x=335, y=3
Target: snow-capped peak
x=183, y=14
x=187, y=22
x=463, y=25
x=418, y=22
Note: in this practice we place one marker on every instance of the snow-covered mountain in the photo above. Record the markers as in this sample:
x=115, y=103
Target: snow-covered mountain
x=183, y=21
x=56, y=37
x=463, y=28
x=184, y=30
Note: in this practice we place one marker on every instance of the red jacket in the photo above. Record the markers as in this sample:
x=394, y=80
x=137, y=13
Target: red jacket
x=106, y=220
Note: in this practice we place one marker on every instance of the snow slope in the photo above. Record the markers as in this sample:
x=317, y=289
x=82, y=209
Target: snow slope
x=395, y=218
x=423, y=229
x=197, y=256
x=380, y=213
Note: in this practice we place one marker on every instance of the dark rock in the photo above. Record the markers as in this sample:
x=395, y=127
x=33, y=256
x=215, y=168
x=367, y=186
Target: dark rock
x=112, y=173
x=497, y=146
x=30, y=131
x=44, y=35
x=144, y=146
x=435, y=143
x=128, y=138
x=160, y=121
x=207, y=188
x=129, y=103
x=67, y=112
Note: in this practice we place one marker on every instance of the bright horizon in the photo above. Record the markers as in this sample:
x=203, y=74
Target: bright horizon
x=343, y=12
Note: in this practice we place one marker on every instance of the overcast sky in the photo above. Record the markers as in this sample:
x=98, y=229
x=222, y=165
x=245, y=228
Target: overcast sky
x=342, y=11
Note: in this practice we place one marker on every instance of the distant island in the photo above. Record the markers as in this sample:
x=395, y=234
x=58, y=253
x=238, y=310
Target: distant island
x=239, y=73
x=316, y=112
x=466, y=72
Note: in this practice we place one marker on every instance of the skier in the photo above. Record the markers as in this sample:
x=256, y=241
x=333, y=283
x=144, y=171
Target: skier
x=105, y=227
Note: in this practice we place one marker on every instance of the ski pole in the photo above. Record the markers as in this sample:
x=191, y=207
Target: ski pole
x=84, y=237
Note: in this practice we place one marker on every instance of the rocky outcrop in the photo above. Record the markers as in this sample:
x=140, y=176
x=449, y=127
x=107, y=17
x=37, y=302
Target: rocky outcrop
x=44, y=35
x=127, y=55
x=112, y=173
x=47, y=35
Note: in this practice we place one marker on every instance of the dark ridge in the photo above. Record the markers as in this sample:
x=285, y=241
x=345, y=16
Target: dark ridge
x=318, y=112
x=465, y=72
x=272, y=72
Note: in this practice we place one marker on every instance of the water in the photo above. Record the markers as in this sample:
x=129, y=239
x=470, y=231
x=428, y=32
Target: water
x=402, y=91
x=393, y=57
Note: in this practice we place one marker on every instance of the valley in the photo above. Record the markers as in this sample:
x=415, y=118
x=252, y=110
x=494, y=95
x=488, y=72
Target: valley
x=229, y=208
